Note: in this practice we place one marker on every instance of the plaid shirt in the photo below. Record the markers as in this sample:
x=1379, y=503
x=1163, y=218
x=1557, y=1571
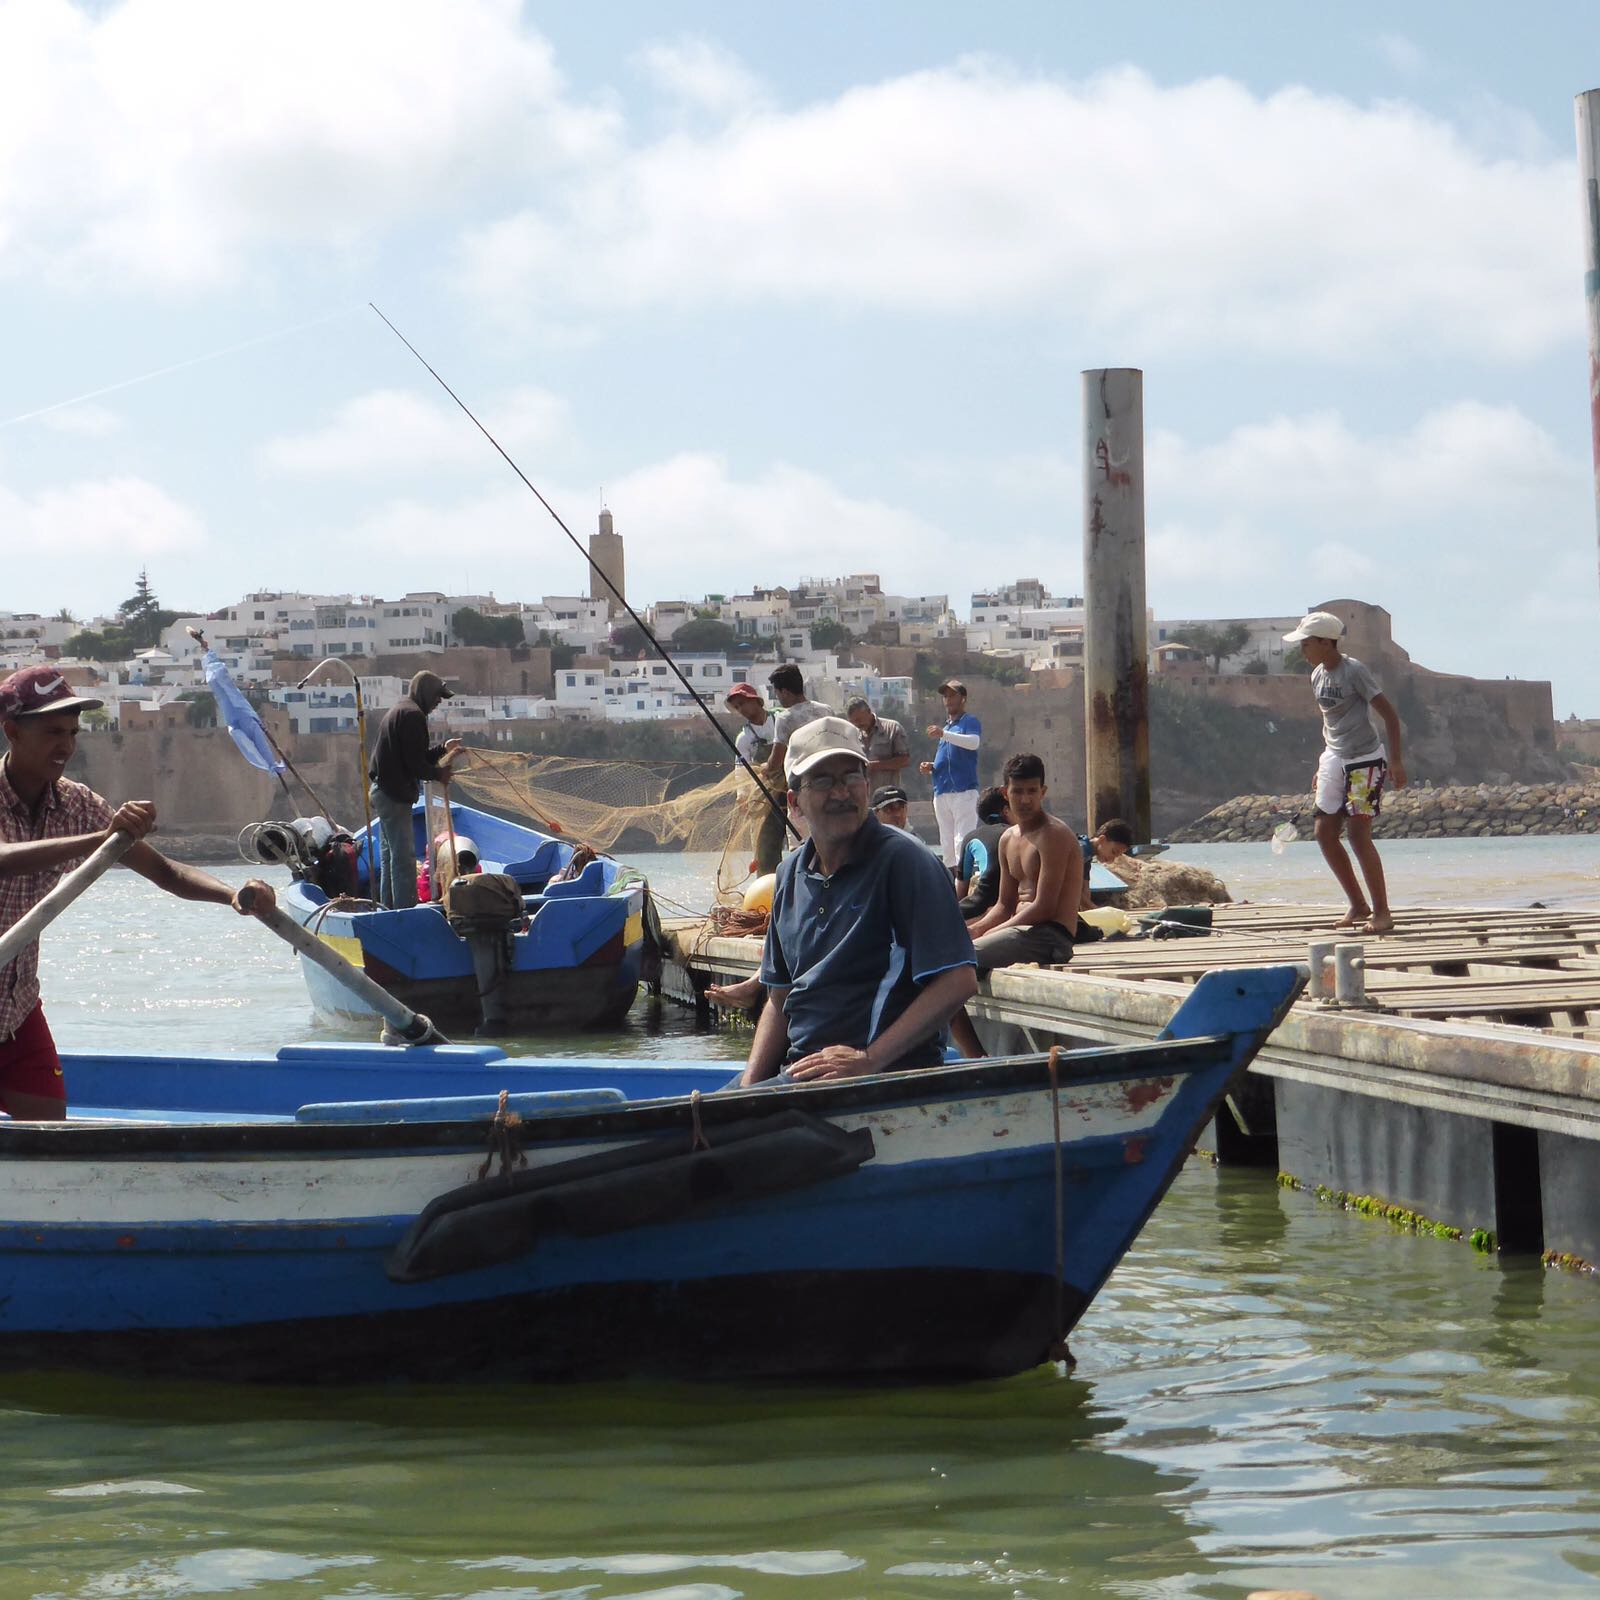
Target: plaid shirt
x=66, y=809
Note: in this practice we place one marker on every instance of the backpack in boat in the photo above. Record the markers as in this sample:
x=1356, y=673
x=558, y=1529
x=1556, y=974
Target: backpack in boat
x=336, y=867
x=484, y=899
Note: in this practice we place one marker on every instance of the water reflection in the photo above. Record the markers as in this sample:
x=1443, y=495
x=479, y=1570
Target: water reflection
x=750, y=1491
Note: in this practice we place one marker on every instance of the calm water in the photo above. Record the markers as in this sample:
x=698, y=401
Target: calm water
x=1269, y=1393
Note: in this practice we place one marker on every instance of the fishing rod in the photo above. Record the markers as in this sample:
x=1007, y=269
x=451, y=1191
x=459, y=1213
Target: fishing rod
x=621, y=599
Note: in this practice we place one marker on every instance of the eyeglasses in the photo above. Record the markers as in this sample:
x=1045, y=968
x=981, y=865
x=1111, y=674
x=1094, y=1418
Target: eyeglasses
x=822, y=782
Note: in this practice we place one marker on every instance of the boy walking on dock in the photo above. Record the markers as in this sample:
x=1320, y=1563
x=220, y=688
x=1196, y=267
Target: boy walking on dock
x=1355, y=767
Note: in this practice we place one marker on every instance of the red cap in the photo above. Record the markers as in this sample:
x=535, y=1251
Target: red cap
x=35, y=691
x=744, y=691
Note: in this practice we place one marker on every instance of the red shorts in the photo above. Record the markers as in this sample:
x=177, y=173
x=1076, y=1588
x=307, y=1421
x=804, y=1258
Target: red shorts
x=29, y=1063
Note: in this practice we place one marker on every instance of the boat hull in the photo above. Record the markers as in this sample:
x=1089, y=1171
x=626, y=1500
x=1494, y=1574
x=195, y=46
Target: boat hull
x=986, y=1208
x=596, y=994
x=895, y=1322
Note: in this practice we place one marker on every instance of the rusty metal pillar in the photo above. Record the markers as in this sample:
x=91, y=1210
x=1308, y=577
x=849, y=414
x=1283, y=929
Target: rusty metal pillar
x=1588, y=110
x=1116, y=674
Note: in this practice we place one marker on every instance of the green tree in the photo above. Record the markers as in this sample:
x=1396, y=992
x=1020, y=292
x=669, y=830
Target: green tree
x=629, y=642
x=1216, y=644
x=92, y=646
x=562, y=654
x=473, y=628
x=143, y=620
x=704, y=633
x=200, y=708
x=830, y=635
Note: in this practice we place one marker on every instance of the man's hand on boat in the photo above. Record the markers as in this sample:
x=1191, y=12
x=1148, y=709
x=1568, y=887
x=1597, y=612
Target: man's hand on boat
x=837, y=1061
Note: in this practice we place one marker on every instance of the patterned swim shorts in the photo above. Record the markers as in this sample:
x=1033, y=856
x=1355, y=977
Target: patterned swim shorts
x=1351, y=788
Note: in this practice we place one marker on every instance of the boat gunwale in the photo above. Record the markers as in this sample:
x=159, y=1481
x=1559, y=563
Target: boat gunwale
x=70, y=1140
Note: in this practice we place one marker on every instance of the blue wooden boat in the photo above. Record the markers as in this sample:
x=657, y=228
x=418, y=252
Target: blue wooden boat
x=575, y=961
x=350, y=1213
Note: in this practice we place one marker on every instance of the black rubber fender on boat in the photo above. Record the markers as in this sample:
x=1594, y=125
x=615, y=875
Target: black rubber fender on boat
x=502, y=1218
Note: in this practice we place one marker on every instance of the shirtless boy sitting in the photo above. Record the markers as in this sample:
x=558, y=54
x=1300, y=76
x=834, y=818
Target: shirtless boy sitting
x=1041, y=882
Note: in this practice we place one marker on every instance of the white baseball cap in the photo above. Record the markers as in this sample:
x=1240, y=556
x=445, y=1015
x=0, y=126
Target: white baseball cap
x=819, y=739
x=1316, y=625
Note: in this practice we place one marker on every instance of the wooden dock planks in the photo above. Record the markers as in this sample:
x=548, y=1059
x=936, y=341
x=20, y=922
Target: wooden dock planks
x=1530, y=967
x=1533, y=967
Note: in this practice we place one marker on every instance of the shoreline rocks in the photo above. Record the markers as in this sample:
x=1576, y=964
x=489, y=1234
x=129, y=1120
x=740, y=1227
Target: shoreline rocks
x=1465, y=811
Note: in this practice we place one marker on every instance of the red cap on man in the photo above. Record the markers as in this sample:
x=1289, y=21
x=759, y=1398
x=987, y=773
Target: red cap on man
x=40, y=691
x=744, y=691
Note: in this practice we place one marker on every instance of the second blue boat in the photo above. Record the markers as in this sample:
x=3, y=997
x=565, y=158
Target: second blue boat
x=554, y=952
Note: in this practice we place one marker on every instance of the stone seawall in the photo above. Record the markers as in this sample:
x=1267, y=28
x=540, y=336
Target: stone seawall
x=1468, y=811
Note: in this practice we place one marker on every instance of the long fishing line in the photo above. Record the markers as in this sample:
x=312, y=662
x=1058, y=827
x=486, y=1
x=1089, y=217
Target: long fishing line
x=621, y=599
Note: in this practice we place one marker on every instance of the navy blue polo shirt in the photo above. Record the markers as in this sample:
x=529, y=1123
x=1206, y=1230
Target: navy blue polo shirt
x=856, y=949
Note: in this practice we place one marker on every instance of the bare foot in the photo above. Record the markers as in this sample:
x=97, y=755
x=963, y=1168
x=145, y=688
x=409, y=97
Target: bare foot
x=734, y=996
x=1378, y=922
x=1353, y=918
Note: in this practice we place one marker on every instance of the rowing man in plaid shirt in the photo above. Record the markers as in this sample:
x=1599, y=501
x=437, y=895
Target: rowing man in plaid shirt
x=47, y=822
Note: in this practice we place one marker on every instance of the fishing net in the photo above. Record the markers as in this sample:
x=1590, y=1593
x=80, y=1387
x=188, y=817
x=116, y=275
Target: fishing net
x=617, y=806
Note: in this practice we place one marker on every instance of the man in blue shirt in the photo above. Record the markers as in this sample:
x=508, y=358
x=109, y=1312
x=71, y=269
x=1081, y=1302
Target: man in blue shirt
x=866, y=957
x=954, y=770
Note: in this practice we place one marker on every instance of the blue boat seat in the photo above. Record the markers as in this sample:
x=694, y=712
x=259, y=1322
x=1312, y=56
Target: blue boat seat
x=591, y=881
x=533, y=872
x=331, y=1053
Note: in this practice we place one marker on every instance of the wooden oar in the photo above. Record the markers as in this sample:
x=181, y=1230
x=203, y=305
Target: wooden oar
x=37, y=918
x=410, y=1026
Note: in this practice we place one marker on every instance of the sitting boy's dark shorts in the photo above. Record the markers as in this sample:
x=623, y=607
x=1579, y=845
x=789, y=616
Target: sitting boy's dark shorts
x=1044, y=944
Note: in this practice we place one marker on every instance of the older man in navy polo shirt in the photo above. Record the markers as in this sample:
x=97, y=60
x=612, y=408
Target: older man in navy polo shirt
x=867, y=956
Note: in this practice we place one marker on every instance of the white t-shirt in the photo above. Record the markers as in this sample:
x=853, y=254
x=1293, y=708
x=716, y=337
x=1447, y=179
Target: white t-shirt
x=754, y=742
x=793, y=718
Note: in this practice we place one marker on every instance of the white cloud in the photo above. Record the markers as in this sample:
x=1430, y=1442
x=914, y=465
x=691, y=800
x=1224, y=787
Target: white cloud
x=48, y=530
x=1474, y=464
x=397, y=431
x=692, y=524
x=700, y=75
x=160, y=141
x=1184, y=218
x=85, y=419
x=1472, y=527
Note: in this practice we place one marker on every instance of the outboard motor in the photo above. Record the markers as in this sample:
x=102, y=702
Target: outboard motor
x=310, y=847
x=485, y=909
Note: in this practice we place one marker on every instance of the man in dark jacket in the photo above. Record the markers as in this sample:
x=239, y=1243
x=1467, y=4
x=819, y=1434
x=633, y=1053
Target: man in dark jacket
x=978, y=876
x=403, y=759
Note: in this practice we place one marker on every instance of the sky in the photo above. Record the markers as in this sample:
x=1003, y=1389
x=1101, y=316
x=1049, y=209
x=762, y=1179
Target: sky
x=802, y=291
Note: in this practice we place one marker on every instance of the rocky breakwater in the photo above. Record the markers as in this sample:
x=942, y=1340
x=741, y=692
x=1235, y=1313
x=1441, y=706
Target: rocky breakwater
x=1460, y=812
